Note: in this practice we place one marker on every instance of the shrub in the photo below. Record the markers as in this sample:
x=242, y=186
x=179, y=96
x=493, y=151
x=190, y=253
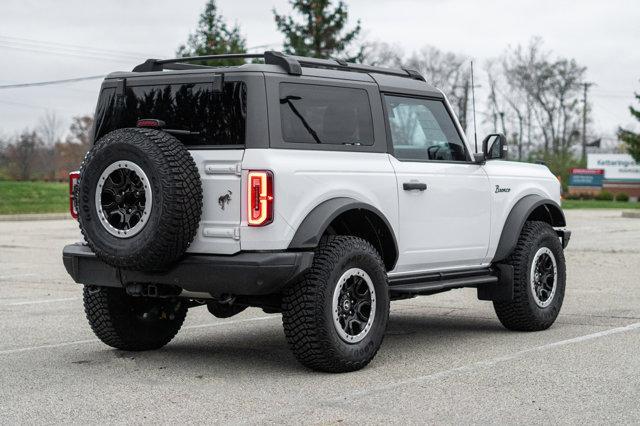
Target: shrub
x=604, y=196
x=622, y=196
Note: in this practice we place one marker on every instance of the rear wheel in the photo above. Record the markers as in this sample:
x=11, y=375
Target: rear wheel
x=132, y=323
x=336, y=316
x=538, y=281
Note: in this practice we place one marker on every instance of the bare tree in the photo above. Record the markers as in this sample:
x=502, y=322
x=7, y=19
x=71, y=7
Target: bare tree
x=70, y=154
x=382, y=54
x=447, y=71
x=23, y=155
x=553, y=87
x=3, y=155
x=537, y=96
x=49, y=131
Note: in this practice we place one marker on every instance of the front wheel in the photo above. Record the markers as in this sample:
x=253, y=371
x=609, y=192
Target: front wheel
x=132, y=323
x=336, y=316
x=539, y=278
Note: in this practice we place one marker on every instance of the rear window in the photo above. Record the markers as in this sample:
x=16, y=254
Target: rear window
x=325, y=114
x=200, y=115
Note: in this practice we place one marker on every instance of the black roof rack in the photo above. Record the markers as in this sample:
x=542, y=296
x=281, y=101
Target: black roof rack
x=291, y=64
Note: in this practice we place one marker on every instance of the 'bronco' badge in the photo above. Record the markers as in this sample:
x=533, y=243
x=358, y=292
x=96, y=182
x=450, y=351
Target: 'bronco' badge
x=498, y=189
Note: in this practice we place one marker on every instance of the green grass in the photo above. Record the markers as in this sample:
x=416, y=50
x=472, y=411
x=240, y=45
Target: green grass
x=33, y=197
x=53, y=197
x=596, y=204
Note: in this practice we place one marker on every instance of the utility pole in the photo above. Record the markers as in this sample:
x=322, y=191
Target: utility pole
x=504, y=130
x=585, y=88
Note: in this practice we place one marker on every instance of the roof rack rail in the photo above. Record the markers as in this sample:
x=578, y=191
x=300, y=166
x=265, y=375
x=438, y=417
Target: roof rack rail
x=270, y=57
x=339, y=64
x=291, y=64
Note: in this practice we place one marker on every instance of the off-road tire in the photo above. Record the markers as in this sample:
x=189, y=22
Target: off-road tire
x=307, y=307
x=522, y=313
x=119, y=320
x=177, y=199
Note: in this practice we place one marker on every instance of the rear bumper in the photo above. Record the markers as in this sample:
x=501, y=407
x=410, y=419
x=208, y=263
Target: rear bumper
x=245, y=273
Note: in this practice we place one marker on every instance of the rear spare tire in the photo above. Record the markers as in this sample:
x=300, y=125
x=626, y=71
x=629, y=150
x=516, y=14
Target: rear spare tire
x=139, y=199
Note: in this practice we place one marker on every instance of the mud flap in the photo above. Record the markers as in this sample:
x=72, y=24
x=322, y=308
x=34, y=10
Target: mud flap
x=502, y=291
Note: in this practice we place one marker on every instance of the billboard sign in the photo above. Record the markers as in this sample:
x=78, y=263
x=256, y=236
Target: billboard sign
x=586, y=177
x=616, y=166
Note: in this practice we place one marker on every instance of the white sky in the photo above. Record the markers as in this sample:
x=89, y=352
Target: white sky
x=603, y=35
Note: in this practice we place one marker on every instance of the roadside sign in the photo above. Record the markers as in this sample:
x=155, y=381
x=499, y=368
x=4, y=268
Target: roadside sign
x=616, y=166
x=586, y=177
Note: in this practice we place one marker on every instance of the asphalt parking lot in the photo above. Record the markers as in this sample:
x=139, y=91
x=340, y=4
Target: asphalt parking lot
x=445, y=358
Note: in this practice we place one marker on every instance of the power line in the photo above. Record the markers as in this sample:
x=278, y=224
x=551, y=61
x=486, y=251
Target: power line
x=44, y=50
x=47, y=83
x=66, y=46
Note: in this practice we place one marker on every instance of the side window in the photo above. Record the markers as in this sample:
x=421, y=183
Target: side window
x=325, y=115
x=422, y=129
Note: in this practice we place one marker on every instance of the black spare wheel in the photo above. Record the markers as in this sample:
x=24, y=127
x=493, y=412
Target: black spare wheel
x=139, y=199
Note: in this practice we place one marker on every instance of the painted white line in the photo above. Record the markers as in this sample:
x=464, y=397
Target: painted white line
x=51, y=346
x=486, y=363
x=17, y=275
x=37, y=302
x=81, y=342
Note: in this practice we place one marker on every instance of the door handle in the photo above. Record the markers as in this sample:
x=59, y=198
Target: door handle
x=410, y=186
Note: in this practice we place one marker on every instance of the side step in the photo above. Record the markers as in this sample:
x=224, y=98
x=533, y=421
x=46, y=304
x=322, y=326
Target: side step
x=442, y=281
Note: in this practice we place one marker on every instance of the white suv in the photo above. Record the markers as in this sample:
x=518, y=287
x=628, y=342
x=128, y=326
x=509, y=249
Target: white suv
x=315, y=188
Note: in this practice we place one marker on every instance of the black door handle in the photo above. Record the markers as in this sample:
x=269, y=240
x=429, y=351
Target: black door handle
x=410, y=186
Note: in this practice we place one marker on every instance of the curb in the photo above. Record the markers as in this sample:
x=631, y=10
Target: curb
x=38, y=216
x=631, y=214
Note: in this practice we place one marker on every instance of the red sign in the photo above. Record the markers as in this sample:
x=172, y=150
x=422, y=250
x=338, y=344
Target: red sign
x=587, y=171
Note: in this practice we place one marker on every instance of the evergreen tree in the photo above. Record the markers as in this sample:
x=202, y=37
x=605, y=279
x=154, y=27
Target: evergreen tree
x=322, y=33
x=632, y=139
x=214, y=37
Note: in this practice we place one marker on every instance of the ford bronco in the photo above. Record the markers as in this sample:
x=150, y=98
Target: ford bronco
x=318, y=189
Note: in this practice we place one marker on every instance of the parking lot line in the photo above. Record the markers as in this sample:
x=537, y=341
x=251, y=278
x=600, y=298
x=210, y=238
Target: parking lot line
x=487, y=362
x=2, y=277
x=80, y=342
x=36, y=302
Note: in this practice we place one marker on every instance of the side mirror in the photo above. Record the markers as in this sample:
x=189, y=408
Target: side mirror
x=494, y=147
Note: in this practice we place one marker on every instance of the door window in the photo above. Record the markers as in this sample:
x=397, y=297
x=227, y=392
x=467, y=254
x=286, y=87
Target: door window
x=422, y=130
x=325, y=115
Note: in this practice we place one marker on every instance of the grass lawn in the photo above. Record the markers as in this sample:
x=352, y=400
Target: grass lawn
x=596, y=204
x=33, y=197
x=53, y=197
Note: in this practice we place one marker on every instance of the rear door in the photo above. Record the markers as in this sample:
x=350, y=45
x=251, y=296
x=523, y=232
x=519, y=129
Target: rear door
x=443, y=197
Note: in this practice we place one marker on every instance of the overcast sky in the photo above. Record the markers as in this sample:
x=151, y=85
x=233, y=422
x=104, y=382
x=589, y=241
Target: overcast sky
x=48, y=40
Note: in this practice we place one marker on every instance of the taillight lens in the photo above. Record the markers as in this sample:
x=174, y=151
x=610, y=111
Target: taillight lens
x=73, y=181
x=259, y=197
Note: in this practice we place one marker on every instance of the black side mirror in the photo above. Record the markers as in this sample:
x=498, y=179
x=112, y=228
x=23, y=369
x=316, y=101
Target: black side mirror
x=494, y=147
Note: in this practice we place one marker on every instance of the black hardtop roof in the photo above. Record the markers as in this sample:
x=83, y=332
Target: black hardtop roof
x=389, y=79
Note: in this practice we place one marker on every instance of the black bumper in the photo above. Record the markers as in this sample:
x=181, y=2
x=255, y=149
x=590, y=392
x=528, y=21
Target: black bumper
x=245, y=273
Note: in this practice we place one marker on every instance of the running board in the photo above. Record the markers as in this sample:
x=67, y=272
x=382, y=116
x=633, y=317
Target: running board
x=442, y=281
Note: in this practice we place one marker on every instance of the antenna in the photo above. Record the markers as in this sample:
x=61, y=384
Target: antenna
x=473, y=100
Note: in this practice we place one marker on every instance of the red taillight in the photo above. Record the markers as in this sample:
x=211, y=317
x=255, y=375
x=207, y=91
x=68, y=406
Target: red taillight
x=150, y=122
x=259, y=197
x=73, y=181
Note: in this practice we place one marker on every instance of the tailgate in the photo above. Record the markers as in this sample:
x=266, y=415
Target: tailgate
x=220, y=171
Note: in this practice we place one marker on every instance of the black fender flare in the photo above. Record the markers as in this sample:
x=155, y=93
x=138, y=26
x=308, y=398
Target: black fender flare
x=314, y=225
x=518, y=215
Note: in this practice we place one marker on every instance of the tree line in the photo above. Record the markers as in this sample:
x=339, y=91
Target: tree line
x=537, y=98
x=42, y=153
